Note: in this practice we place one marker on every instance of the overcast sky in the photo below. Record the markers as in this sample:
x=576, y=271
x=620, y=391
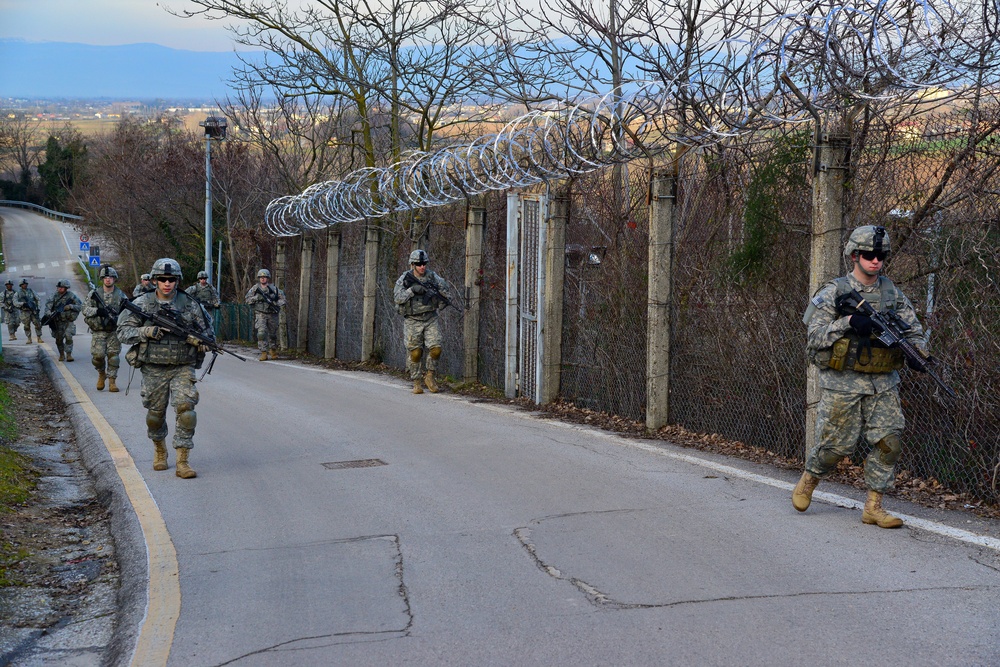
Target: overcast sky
x=110, y=22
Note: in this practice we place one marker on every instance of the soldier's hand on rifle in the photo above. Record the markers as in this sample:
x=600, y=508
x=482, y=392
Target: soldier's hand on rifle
x=417, y=288
x=199, y=345
x=864, y=325
x=90, y=311
x=151, y=333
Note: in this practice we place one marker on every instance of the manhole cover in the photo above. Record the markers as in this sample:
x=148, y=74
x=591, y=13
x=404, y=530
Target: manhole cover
x=361, y=463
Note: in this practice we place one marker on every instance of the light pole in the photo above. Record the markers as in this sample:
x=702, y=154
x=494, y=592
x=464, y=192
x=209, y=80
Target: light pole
x=215, y=128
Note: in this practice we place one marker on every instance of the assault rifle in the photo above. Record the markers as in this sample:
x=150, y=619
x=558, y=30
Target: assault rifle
x=431, y=290
x=264, y=293
x=891, y=330
x=170, y=320
x=47, y=320
x=108, y=315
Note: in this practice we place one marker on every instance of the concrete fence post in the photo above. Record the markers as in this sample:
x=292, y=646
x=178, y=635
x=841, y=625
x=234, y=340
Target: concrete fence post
x=370, y=293
x=475, y=226
x=555, y=275
x=280, y=264
x=332, y=287
x=662, y=206
x=305, y=292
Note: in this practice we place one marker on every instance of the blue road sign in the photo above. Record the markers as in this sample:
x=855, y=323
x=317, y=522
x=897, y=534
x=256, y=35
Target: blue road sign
x=95, y=260
x=84, y=246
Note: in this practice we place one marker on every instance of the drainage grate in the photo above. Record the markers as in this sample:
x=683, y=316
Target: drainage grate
x=361, y=463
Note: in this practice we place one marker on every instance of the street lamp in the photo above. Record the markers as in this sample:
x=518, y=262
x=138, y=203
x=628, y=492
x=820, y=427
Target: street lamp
x=215, y=128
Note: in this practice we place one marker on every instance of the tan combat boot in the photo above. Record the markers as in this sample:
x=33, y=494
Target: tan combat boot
x=184, y=471
x=431, y=384
x=417, y=389
x=100, y=380
x=803, y=494
x=69, y=355
x=62, y=356
x=272, y=354
x=159, y=455
x=112, y=387
x=38, y=338
x=874, y=514
x=29, y=340
x=263, y=356
x=13, y=336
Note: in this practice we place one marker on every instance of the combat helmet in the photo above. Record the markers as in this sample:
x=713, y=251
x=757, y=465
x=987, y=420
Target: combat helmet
x=9, y=282
x=872, y=238
x=264, y=273
x=165, y=267
x=108, y=271
x=24, y=281
x=202, y=274
x=62, y=283
x=418, y=257
x=145, y=276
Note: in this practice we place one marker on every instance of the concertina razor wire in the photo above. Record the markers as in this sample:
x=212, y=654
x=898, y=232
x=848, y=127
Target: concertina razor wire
x=797, y=66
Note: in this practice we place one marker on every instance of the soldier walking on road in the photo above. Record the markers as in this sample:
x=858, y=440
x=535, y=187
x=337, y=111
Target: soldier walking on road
x=26, y=301
x=419, y=294
x=61, y=311
x=101, y=311
x=167, y=361
x=9, y=311
x=267, y=301
x=145, y=285
x=206, y=295
x=858, y=375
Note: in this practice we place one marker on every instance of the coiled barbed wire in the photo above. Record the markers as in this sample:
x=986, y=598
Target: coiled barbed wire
x=827, y=57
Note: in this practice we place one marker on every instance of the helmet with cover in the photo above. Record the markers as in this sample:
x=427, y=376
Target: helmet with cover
x=868, y=238
x=418, y=257
x=264, y=273
x=107, y=271
x=145, y=276
x=24, y=281
x=165, y=267
x=62, y=283
x=202, y=274
x=9, y=282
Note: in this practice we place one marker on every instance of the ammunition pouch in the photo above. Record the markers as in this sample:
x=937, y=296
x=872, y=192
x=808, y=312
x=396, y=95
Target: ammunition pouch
x=166, y=352
x=850, y=353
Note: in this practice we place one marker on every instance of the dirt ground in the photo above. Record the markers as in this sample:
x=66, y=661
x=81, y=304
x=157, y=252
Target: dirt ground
x=61, y=610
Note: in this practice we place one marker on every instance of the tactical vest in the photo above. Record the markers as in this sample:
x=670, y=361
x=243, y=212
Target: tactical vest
x=171, y=350
x=422, y=304
x=863, y=355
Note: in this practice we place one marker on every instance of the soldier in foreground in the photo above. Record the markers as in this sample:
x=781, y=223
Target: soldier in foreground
x=101, y=311
x=167, y=361
x=419, y=293
x=9, y=311
x=61, y=311
x=145, y=285
x=858, y=375
x=267, y=301
x=26, y=301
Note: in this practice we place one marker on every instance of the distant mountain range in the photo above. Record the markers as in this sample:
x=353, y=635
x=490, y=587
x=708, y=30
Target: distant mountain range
x=134, y=71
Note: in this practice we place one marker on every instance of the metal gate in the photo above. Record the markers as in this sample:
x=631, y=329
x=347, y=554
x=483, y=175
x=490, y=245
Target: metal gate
x=526, y=233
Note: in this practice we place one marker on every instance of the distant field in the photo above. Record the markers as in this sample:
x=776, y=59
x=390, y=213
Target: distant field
x=91, y=127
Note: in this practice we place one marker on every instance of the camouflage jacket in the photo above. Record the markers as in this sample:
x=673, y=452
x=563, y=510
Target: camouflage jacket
x=172, y=348
x=70, y=304
x=112, y=302
x=26, y=299
x=8, y=300
x=270, y=304
x=827, y=326
x=422, y=306
x=208, y=296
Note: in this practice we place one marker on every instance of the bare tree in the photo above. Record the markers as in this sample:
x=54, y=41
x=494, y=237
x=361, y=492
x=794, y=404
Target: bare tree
x=20, y=145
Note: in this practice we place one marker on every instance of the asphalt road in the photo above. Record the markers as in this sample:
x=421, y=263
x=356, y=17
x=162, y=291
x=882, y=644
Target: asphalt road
x=474, y=534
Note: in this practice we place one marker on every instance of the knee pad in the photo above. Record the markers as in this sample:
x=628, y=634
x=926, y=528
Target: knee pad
x=829, y=459
x=435, y=352
x=187, y=418
x=155, y=420
x=98, y=362
x=114, y=361
x=889, y=449
x=416, y=355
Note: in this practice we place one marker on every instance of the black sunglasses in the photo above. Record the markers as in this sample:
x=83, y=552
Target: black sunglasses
x=871, y=256
x=420, y=264
x=166, y=279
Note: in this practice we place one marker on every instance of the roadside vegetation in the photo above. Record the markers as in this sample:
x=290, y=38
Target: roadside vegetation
x=16, y=483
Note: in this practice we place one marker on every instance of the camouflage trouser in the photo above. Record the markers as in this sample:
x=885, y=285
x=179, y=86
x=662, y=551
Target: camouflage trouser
x=10, y=317
x=266, y=325
x=105, y=348
x=27, y=319
x=175, y=384
x=841, y=418
x=418, y=335
x=63, y=332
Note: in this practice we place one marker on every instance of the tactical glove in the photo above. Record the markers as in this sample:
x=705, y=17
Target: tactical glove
x=844, y=305
x=864, y=325
x=202, y=347
x=151, y=333
x=417, y=288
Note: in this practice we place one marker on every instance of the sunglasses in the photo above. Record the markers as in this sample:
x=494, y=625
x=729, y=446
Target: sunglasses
x=166, y=279
x=871, y=256
x=420, y=264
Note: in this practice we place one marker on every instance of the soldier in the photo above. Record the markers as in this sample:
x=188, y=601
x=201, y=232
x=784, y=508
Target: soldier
x=26, y=301
x=858, y=375
x=61, y=311
x=9, y=311
x=145, y=285
x=205, y=294
x=267, y=301
x=103, y=306
x=167, y=361
x=419, y=294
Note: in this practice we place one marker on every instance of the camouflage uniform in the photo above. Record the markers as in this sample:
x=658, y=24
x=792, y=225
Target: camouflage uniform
x=265, y=318
x=142, y=289
x=105, y=348
x=26, y=301
x=63, y=324
x=167, y=366
x=206, y=295
x=9, y=311
x=421, y=326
